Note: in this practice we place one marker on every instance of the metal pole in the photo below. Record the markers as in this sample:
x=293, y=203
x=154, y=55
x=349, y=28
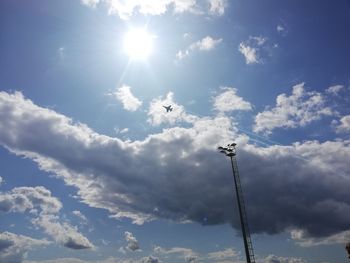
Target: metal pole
x=241, y=215
x=230, y=151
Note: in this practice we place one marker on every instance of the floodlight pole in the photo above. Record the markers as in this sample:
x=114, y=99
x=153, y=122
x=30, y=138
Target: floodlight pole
x=230, y=151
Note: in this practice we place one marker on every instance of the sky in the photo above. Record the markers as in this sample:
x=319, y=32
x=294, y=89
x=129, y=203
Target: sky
x=95, y=170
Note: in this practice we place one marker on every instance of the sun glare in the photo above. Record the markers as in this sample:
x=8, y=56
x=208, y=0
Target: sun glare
x=138, y=44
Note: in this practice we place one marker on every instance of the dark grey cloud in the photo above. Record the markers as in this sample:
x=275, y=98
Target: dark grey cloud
x=298, y=186
x=178, y=175
x=5, y=243
x=75, y=244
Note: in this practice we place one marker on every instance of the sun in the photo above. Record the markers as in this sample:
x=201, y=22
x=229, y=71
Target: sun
x=138, y=43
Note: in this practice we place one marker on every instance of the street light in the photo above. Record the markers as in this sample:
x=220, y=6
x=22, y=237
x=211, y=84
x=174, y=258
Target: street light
x=230, y=151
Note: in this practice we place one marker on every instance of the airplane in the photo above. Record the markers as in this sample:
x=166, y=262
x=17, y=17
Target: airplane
x=168, y=108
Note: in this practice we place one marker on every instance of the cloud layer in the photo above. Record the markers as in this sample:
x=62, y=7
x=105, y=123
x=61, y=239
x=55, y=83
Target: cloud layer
x=13, y=248
x=44, y=209
x=126, y=9
x=180, y=174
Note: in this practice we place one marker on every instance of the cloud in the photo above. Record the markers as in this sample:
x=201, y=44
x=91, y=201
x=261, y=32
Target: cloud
x=123, y=131
x=90, y=3
x=158, y=115
x=150, y=259
x=280, y=28
x=13, y=247
x=302, y=238
x=44, y=207
x=344, y=125
x=126, y=9
x=1, y=181
x=206, y=44
x=229, y=101
x=191, y=256
x=334, y=89
x=181, y=175
x=298, y=109
x=66, y=260
x=217, y=6
x=253, y=49
x=186, y=253
x=77, y=260
x=225, y=254
x=129, y=101
x=64, y=234
x=32, y=199
x=133, y=244
x=277, y=259
x=80, y=216
x=250, y=53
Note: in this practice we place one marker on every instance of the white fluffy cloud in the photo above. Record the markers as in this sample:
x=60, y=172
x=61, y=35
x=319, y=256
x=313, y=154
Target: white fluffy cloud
x=250, y=53
x=343, y=126
x=228, y=100
x=13, y=247
x=298, y=109
x=217, y=6
x=44, y=208
x=132, y=243
x=91, y=3
x=252, y=49
x=32, y=199
x=158, y=115
x=206, y=44
x=129, y=101
x=178, y=168
x=126, y=9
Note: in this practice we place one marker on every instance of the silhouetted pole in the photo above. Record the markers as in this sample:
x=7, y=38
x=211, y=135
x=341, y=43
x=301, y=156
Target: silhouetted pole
x=230, y=151
x=348, y=249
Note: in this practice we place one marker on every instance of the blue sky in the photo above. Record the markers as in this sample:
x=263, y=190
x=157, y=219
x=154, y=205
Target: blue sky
x=93, y=169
